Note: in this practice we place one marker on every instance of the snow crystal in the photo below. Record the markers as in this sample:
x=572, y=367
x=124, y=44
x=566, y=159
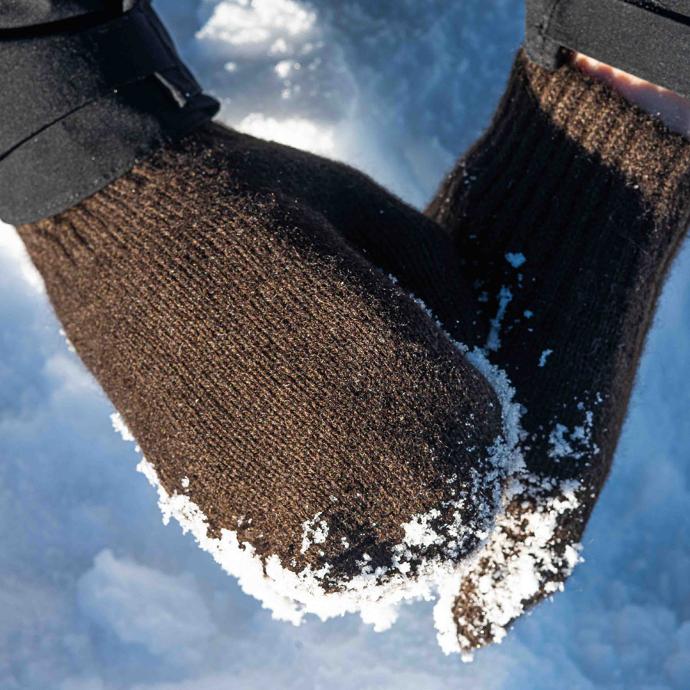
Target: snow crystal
x=573, y=442
x=522, y=567
x=515, y=260
x=543, y=357
x=314, y=531
x=493, y=342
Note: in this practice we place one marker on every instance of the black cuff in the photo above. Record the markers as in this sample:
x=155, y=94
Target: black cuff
x=81, y=106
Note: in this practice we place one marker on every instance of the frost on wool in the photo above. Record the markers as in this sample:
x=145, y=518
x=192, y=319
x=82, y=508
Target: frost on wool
x=521, y=559
x=375, y=594
x=120, y=427
x=291, y=595
x=314, y=531
x=504, y=571
x=576, y=442
x=516, y=559
x=524, y=558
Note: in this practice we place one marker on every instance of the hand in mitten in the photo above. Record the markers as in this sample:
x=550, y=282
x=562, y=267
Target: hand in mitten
x=566, y=216
x=304, y=416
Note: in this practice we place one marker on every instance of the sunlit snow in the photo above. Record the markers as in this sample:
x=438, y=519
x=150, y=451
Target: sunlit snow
x=97, y=594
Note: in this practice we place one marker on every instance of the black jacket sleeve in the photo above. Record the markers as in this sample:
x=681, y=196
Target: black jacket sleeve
x=30, y=13
x=647, y=38
x=87, y=88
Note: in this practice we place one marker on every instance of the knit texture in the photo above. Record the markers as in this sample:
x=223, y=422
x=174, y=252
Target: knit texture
x=224, y=294
x=269, y=372
x=566, y=216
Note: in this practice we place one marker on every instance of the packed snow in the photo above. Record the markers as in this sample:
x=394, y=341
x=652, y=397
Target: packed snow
x=97, y=594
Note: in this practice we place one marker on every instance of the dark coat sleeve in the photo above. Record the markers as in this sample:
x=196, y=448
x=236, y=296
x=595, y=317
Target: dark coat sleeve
x=31, y=13
x=84, y=95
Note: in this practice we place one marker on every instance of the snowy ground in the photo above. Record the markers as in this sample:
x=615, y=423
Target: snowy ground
x=95, y=593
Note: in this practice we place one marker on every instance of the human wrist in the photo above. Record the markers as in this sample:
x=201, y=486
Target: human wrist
x=669, y=107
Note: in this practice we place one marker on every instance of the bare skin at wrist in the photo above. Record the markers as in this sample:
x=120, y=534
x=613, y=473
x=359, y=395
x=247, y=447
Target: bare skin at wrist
x=673, y=110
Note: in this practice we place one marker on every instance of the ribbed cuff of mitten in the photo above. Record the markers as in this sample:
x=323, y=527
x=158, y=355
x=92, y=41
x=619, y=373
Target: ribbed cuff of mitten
x=550, y=131
x=607, y=126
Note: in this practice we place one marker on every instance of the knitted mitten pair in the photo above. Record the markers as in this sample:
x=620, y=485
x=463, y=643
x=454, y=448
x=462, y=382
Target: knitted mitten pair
x=233, y=299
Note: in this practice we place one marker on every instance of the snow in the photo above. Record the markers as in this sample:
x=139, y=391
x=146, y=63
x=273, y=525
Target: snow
x=505, y=297
x=97, y=594
x=376, y=595
x=515, y=259
x=575, y=443
x=172, y=618
x=543, y=358
x=293, y=131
